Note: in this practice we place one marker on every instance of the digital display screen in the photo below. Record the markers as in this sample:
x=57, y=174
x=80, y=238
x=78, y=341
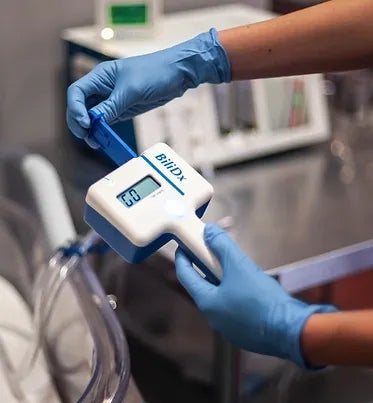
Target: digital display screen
x=127, y=14
x=138, y=191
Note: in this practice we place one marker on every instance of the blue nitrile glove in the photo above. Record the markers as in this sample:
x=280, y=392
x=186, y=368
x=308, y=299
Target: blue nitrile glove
x=249, y=308
x=124, y=88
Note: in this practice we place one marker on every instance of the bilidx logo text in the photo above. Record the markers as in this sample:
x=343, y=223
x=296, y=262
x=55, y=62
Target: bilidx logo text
x=171, y=166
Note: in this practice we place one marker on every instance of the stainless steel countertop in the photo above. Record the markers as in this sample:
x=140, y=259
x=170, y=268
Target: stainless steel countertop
x=301, y=204
x=306, y=216
x=285, y=208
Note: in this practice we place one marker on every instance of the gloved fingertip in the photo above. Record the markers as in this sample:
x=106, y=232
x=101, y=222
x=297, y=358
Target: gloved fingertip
x=183, y=265
x=214, y=236
x=92, y=143
x=210, y=231
x=221, y=244
x=181, y=257
x=194, y=284
x=104, y=109
x=84, y=121
x=76, y=129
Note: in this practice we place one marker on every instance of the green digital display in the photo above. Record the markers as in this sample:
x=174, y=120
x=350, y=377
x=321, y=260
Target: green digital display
x=128, y=14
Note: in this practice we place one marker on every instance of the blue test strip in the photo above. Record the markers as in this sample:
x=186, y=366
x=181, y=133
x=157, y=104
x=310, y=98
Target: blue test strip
x=112, y=145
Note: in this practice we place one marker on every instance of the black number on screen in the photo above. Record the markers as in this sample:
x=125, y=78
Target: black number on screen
x=136, y=197
x=129, y=202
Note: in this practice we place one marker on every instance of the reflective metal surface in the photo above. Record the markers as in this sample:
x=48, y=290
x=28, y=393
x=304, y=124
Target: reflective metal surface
x=302, y=204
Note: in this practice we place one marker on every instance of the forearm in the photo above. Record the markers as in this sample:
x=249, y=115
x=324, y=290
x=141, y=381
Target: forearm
x=333, y=36
x=343, y=338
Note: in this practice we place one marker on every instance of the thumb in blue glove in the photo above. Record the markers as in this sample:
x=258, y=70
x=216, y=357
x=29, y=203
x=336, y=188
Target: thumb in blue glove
x=123, y=88
x=249, y=307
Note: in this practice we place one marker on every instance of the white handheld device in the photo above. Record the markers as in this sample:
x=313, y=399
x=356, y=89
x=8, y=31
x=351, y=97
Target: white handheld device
x=149, y=200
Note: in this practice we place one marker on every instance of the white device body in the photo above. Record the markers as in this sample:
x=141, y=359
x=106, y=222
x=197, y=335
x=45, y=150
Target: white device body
x=170, y=209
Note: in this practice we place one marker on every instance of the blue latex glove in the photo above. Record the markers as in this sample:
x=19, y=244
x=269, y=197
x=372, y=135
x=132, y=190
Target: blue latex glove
x=249, y=308
x=127, y=87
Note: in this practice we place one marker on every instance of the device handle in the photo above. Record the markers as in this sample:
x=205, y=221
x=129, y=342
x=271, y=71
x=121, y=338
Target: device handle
x=190, y=238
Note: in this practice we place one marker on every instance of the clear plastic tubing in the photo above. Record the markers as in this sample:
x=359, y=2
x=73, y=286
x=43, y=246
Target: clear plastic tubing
x=46, y=291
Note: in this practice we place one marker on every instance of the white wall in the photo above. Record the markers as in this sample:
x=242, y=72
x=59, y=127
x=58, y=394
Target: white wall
x=31, y=64
x=175, y=5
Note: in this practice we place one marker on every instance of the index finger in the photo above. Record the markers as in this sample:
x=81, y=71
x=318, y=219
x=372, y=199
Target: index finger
x=77, y=95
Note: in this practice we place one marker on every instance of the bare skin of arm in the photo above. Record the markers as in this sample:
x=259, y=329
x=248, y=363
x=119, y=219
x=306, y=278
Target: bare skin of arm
x=342, y=338
x=333, y=36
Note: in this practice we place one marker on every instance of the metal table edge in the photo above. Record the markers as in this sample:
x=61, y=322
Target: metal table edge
x=325, y=268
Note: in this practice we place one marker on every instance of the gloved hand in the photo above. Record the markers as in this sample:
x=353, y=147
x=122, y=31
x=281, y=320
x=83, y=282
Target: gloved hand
x=127, y=87
x=249, y=307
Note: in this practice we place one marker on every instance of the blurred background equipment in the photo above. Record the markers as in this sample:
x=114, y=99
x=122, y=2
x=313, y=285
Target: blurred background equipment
x=33, y=62
x=128, y=18
x=240, y=121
